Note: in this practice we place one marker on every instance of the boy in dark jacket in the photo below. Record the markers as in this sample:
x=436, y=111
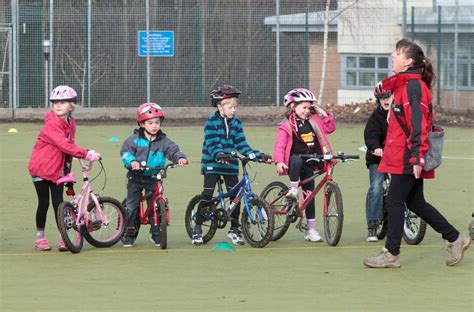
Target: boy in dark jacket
x=223, y=134
x=149, y=145
x=375, y=133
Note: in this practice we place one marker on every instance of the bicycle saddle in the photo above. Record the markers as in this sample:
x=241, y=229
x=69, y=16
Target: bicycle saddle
x=67, y=178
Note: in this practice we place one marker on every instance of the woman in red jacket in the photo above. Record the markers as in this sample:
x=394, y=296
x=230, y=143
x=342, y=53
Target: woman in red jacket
x=403, y=156
x=51, y=156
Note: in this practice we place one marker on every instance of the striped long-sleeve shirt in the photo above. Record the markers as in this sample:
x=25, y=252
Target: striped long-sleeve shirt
x=223, y=135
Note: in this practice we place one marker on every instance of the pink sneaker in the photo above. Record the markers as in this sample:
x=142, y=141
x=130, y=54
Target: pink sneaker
x=61, y=245
x=42, y=244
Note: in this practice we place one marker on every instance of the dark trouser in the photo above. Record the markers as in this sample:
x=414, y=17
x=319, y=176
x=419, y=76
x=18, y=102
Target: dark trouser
x=135, y=185
x=299, y=169
x=210, y=181
x=405, y=188
x=42, y=190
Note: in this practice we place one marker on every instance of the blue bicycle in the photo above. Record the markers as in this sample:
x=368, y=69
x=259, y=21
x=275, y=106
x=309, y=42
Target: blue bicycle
x=256, y=220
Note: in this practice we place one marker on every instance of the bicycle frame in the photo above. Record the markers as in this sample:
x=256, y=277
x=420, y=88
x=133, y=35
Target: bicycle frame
x=242, y=190
x=156, y=194
x=81, y=200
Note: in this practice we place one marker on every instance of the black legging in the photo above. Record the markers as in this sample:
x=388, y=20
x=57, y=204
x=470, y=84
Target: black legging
x=210, y=181
x=405, y=188
x=42, y=190
x=298, y=170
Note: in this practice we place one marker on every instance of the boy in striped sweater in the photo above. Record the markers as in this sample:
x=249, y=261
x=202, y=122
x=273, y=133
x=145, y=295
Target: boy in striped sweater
x=223, y=134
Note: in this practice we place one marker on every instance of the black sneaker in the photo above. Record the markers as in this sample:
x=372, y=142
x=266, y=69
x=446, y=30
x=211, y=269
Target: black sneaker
x=128, y=241
x=155, y=239
x=236, y=236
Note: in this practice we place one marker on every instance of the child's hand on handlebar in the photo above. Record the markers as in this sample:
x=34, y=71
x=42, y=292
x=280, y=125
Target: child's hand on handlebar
x=182, y=162
x=135, y=165
x=266, y=158
x=92, y=155
x=223, y=158
x=378, y=152
x=281, y=167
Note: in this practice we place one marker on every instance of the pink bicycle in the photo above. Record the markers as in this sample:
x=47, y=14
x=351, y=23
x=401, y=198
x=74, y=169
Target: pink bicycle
x=100, y=220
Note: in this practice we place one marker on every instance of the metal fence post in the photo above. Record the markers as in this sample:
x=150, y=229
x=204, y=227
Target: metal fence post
x=277, y=53
x=306, y=51
x=148, y=71
x=438, y=60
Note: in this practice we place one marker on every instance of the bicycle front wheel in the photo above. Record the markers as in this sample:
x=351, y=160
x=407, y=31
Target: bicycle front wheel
x=333, y=214
x=273, y=193
x=414, y=228
x=71, y=235
x=105, y=228
x=161, y=206
x=257, y=222
x=209, y=226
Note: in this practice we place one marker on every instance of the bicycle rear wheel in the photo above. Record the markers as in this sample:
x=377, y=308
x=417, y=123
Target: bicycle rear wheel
x=257, y=222
x=209, y=226
x=162, y=207
x=273, y=193
x=102, y=234
x=334, y=218
x=414, y=228
x=71, y=235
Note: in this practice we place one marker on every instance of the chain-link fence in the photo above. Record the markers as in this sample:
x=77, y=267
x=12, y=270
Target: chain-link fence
x=100, y=49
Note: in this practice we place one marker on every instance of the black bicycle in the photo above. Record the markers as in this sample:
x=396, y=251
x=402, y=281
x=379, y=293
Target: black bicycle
x=414, y=227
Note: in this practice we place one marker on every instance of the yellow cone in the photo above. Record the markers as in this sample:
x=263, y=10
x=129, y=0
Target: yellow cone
x=12, y=130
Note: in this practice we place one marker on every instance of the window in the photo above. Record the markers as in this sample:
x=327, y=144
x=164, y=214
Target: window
x=364, y=71
x=465, y=75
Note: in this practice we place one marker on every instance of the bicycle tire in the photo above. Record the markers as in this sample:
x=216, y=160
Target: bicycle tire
x=273, y=194
x=259, y=232
x=414, y=228
x=106, y=235
x=209, y=227
x=72, y=236
x=334, y=219
x=163, y=223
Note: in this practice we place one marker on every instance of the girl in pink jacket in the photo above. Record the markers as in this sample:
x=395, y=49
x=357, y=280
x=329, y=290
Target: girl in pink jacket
x=51, y=157
x=302, y=132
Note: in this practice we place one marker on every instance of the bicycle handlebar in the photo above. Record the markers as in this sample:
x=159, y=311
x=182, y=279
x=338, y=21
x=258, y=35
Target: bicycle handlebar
x=227, y=156
x=328, y=157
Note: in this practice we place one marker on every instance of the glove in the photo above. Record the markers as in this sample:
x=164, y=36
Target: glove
x=92, y=155
x=223, y=157
x=266, y=158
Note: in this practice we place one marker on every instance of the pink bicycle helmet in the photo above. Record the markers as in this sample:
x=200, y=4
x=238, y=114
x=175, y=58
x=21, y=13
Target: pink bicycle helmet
x=299, y=95
x=381, y=93
x=149, y=110
x=63, y=93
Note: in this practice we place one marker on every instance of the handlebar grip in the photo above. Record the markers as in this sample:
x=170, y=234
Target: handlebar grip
x=351, y=157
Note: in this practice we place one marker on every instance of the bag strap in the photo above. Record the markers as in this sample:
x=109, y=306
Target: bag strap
x=402, y=125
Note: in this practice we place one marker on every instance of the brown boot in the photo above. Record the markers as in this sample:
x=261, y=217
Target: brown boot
x=384, y=260
x=457, y=249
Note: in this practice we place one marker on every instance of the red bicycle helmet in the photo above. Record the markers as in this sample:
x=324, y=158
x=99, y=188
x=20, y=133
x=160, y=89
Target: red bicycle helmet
x=149, y=110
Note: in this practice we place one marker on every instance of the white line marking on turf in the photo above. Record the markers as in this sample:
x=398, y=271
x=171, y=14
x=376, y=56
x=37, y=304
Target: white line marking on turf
x=458, y=158
x=199, y=249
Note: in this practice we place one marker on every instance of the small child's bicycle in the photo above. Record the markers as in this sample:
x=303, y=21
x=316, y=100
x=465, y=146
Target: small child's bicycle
x=158, y=205
x=287, y=211
x=257, y=219
x=100, y=220
x=414, y=227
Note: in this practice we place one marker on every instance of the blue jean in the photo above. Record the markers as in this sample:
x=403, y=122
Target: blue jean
x=135, y=184
x=375, y=194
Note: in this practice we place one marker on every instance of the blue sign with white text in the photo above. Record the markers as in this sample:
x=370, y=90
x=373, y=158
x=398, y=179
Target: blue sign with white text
x=161, y=43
